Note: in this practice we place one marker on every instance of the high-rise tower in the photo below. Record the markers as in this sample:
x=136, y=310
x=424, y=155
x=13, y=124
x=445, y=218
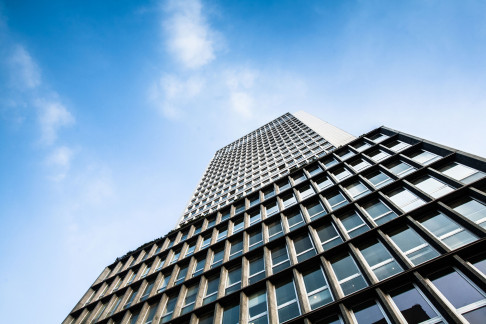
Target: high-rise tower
x=299, y=222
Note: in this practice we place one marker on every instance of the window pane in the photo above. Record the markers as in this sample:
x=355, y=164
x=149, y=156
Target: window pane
x=378, y=179
x=379, y=212
x=255, y=216
x=369, y=313
x=399, y=168
x=256, y=239
x=405, y=199
x=234, y=280
x=336, y=200
x=271, y=208
x=257, y=270
x=329, y=236
x=359, y=165
x=257, y=307
x=397, y=145
x=458, y=291
x=413, y=246
x=275, y=230
x=323, y=182
x=378, y=155
x=348, y=274
x=288, y=200
x=211, y=290
x=412, y=304
x=295, y=220
x=280, y=259
x=231, y=315
x=341, y=173
x=287, y=306
x=461, y=172
x=316, y=287
x=353, y=224
x=304, y=248
x=448, y=231
x=378, y=137
x=357, y=190
x=471, y=209
x=432, y=186
x=305, y=191
x=424, y=157
x=380, y=260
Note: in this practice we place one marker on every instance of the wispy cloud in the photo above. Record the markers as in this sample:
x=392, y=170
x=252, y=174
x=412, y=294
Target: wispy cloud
x=60, y=161
x=52, y=115
x=26, y=72
x=190, y=39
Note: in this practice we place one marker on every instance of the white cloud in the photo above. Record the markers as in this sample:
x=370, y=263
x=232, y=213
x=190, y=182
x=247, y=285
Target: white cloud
x=26, y=73
x=59, y=160
x=52, y=116
x=190, y=39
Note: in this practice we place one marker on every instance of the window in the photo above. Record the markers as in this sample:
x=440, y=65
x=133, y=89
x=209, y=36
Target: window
x=190, y=249
x=461, y=172
x=359, y=165
x=157, y=251
x=257, y=270
x=357, y=190
x=423, y=157
x=256, y=239
x=316, y=287
x=159, y=265
x=288, y=200
x=199, y=267
x=349, y=277
x=150, y=314
x=305, y=191
x=353, y=224
x=206, y=241
x=233, y=282
x=361, y=146
x=329, y=236
x=269, y=192
x=379, y=212
x=211, y=222
x=378, y=155
x=471, y=209
x=254, y=200
x=169, y=309
x=272, y=208
x=231, y=314
x=118, y=284
x=287, y=305
x=255, y=216
x=323, y=182
x=147, y=291
x=341, y=173
x=211, y=290
x=480, y=264
x=378, y=179
x=217, y=258
x=380, y=260
x=184, y=236
x=468, y=299
x=206, y=319
x=299, y=177
x=345, y=154
x=283, y=185
x=413, y=305
x=190, y=299
x=222, y=233
x=315, y=209
x=447, y=231
x=304, y=248
x=405, y=199
x=275, y=230
x=378, y=137
x=134, y=317
x=336, y=200
x=399, y=168
x=181, y=275
x=98, y=315
x=329, y=162
x=313, y=170
x=432, y=186
x=295, y=220
x=280, y=258
x=257, y=308
x=164, y=284
x=131, y=298
x=236, y=248
x=197, y=229
x=238, y=225
x=238, y=208
x=370, y=312
x=397, y=146
x=116, y=303
x=175, y=256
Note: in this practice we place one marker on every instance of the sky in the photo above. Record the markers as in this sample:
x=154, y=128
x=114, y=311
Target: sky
x=110, y=111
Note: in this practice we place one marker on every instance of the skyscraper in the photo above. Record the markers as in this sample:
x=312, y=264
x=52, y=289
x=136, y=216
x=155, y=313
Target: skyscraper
x=300, y=222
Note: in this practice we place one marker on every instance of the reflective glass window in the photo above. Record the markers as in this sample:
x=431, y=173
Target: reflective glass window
x=379, y=211
x=349, y=277
x=432, y=186
x=353, y=223
x=304, y=248
x=316, y=287
x=329, y=236
x=405, y=199
x=380, y=260
x=461, y=172
x=471, y=209
x=413, y=246
x=287, y=305
x=378, y=179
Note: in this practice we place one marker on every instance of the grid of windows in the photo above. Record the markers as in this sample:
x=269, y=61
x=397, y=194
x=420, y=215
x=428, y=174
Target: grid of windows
x=321, y=215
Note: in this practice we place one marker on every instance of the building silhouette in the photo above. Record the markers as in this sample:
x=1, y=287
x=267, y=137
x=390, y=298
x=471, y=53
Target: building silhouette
x=300, y=222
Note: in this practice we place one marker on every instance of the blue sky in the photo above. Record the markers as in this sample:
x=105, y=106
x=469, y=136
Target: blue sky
x=111, y=110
